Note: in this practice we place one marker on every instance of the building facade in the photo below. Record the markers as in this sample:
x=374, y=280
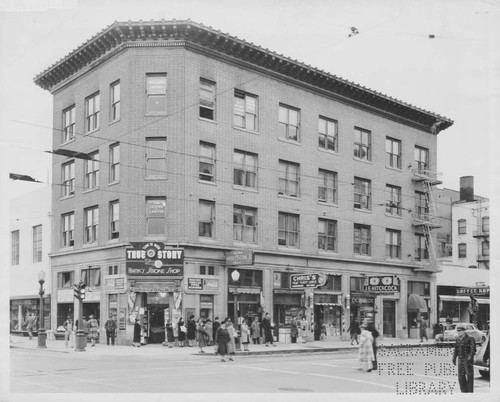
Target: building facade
x=185, y=154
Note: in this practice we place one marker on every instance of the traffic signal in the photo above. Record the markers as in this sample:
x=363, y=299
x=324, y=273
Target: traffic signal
x=79, y=291
x=82, y=291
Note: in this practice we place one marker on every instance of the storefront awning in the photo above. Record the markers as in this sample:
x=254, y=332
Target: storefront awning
x=483, y=301
x=454, y=298
x=247, y=291
x=416, y=303
x=327, y=304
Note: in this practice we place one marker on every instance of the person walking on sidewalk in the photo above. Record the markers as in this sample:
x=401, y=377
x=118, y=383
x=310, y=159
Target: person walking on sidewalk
x=423, y=330
x=370, y=326
x=209, y=330
x=191, y=331
x=68, y=336
x=169, y=329
x=303, y=329
x=201, y=335
x=268, y=332
x=464, y=351
x=366, y=355
x=354, y=331
x=93, y=327
x=215, y=326
x=30, y=324
x=256, y=330
x=231, y=345
x=181, y=332
x=221, y=341
x=110, y=327
x=294, y=330
x=245, y=335
x=136, y=341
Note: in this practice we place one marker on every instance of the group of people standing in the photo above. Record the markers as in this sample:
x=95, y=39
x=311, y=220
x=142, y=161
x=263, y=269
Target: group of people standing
x=90, y=328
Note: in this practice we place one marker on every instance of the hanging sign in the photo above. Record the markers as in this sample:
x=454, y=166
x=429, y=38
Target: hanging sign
x=301, y=281
x=382, y=284
x=154, y=259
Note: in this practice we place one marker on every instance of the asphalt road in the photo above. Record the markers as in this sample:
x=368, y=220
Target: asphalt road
x=38, y=372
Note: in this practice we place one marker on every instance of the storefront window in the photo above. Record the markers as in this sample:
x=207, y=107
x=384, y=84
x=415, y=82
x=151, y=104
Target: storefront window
x=248, y=277
x=419, y=288
x=113, y=305
x=334, y=282
x=206, y=307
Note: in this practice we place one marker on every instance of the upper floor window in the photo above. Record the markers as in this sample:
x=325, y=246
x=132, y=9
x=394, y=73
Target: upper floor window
x=485, y=248
x=289, y=123
x=244, y=224
x=421, y=205
x=207, y=162
x=288, y=178
x=485, y=224
x=462, y=226
x=91, y=168
x=362, y=193
x=362, y=144
x=327, y=130
x=207, y=270
x=288, y=229
x=393, y=243
x=393, y=202
x=112, y=269
x=362, y=239
x=327, y=235
x=245, y=110
x=114, y=219
x=156, y=156
x=206, y=219
x=91, y=223
x=114, y=163
x=37, y=243
x=14, y=255
x=91, y=277
x=421, y=247
x=462, y=250
x=327, y=187
x=92, y=111
x=68, y=179
x=65, y=280
x=68, y=228
x=421, y=156
x=68, y=124
x=156, y=93
x=156, y=215
x=248, y=278
x=357, y=284
x=245, y=169
x=115, y=99
x=393, y=152
x=207, y=99
x=419, y=288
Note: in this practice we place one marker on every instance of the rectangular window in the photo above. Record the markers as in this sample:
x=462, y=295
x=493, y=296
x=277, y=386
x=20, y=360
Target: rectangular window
x=485, y=224
x=37, y=243
x=114, y=163
x=462, y=226
x=14, y=255
x=288, y=179
x=68, y=228
x=206, y=219
x=289, y=123
x=462, y=250
x=245, y=110
x=327, y=188
x=357, y=285
x=156, y=93
x=207, y=99
x=421, y=247
x=245, y=169
x=393, y=201
x=327, y=235
x=485, y=248
x=393, y=152
x=419, y=288
x=68, y=133
x=114, y=219
x=362, y=239
x=327, y=130
x=92, y=111
x=421, y=156
x=91, y=168
x=65, y=280
x=113, y=270
x=362, y=194
x=91, y=277
x=156, y=157
x=156, y=215
x=91, y=223
x=207, y=162
x=115, y=98
x=393, y=243
x=244, y=224
x=68, y=179
x=288, y=229
x=421, y=205
x=207, y=270
x=362, y=144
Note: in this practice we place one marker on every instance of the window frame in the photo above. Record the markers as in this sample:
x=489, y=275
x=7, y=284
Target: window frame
x=69, y=124
x=325, y=178
x=68, y=231
x=393, y=244
x=485, y=224
x=362, y=198
x=151, y=156
x=91, y=171
x=393, y=159
x=284, y=114
x=152, y=218
x=462, y=226
x=68, y=179
x=244, y=229
x=68, y=283
x=422, y=165
x=114, y=219
x=115, y=101
x=362, y=248
x=92, y=112
x=209, y=270
x=285, y=179
x=93, y=275
x=114, y=165
x=207, y=104
x=328, y=138
x=207, y=159
x=91, y=226
x=421, y=253
x=151, y=95
x=249, y=120
x=485, y=248
x=287, y=236
x=37, y=236
x=325, y=236
x=393, y=203
x=462, y=250
x=15, y=242
x=421, y=205
x=245, y=169
x=206, y=225
x=360, y=145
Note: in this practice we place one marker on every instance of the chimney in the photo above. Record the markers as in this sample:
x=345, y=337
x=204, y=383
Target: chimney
x=467, y=188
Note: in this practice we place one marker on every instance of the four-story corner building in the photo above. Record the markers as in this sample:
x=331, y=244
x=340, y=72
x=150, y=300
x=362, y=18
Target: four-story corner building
x=201, y=174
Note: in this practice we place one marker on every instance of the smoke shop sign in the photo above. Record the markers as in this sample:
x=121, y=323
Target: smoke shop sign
x=382, y=284
x=154, y=259
x=239, y=257
x=301, y=281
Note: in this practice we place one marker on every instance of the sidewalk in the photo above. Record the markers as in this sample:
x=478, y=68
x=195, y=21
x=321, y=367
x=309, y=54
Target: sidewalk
x=154, y=349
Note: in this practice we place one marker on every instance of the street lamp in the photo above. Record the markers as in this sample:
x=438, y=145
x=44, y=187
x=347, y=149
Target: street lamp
x=42, y=335
x=235, y=276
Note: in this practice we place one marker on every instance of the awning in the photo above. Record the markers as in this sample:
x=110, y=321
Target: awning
x=417, y=303
x=455, y=298
x=247, y=291
x=483, y=301
x=327, y=304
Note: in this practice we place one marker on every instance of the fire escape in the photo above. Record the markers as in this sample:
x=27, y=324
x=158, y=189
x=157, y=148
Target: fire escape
x=483, y=237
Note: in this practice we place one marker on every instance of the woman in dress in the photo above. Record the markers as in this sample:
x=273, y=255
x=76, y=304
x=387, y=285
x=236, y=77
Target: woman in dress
x=366, y=355
x=231, y=345
x=136, y=342
x=245, y=335
x=170, y=333
x=93, y=326
x=222, y=340
x=181, y=329
x=209, y=329
x=256, y=330
x=201, y=335
x=191, y=331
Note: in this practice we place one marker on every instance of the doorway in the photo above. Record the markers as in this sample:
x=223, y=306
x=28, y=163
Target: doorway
x=156, y=323
x=389, y=318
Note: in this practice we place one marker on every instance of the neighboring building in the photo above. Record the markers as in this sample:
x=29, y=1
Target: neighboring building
x=29, y=249
x=204, y=155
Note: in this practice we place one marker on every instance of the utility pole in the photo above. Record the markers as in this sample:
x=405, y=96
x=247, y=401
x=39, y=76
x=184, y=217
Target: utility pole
x=81, y=337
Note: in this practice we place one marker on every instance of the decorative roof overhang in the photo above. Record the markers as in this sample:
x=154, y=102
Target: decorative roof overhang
x=197, y=37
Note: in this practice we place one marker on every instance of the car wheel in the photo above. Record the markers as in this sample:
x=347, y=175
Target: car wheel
x=483, y=339
x=485, y=374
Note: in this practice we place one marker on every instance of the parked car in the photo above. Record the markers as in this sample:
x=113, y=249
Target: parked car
x=482, y=358
x=450, y=335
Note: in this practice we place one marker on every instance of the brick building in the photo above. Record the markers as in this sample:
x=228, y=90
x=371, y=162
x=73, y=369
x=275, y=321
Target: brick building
x=171, y=136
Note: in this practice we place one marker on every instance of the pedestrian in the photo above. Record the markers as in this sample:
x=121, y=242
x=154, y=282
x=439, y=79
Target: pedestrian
x=438, y=328
x=256, y=330
x=231, y=345
x=209, y=330
x=303, y=329
x=370, y=326
x=354, y=331
x=201, y=335
x=267, y=327
x=136, y=341
x=464, y=351
x=93, y=333
x=423, y=330
x=30, y=324
x=110, y=327
x=68, y=336
x=181, y=332
x=215, y=326
x=169, y=329
x=366, y=354
x=191, y=331
x=294, y=330
x=221, y=341
x=245, y=335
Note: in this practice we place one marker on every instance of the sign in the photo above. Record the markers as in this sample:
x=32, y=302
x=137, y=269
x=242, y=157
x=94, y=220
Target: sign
x=301, y=281
x=479, y=291
x=114, y=284
x=382, y=284
x=154, y=259
x=152, y=287
x=202, y=284
x=362, y=300
x=195, y=284
x=239, y=257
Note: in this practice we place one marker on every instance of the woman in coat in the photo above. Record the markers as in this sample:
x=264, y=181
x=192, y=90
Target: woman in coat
x=191, y=331
x=294, y=330
x=231, y=345
x=222, y=340
x=256, y=330
x=366, y=355
x=245, y=335
x=170, y=333
x=136, y=342
x=93, y=326
x=268, y=332
x=209, y=331
x=201, y=335
x=181, y=329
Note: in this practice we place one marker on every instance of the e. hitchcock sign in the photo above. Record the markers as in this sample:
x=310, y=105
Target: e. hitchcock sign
x=154, y=259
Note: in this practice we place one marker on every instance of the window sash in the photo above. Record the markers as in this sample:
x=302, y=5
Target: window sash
x=15, y=247
x=93, y=112
x=288, y=180
x=207, y=100
x=362, y=144
x=114, y=155
x=207, y=162
x=393, y=244
x=115, y=101
x=245, y=169
x=91, y=225
x=393, y=203
x=327, y=235
x=327, y=188
x=421, y=247
x=362, y=194
x=68, y=124
x=68, y=179
x=245, y=225
x=114, y=209
x=206, y=219
x=156, y=157
x=362, y=240
x=288, y=230
x=245, y=111
x=37, y=243
x=421, y=156
x=327, y=134
x=156, y=216
x=68, y=227
x=393, y=152
x=92, y=172
x=289, y=123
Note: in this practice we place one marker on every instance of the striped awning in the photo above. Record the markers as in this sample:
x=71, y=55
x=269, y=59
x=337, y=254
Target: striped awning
x=454, y=298
x=327, y=304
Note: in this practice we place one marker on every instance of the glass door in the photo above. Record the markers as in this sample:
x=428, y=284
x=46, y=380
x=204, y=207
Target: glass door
x=389, y=318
